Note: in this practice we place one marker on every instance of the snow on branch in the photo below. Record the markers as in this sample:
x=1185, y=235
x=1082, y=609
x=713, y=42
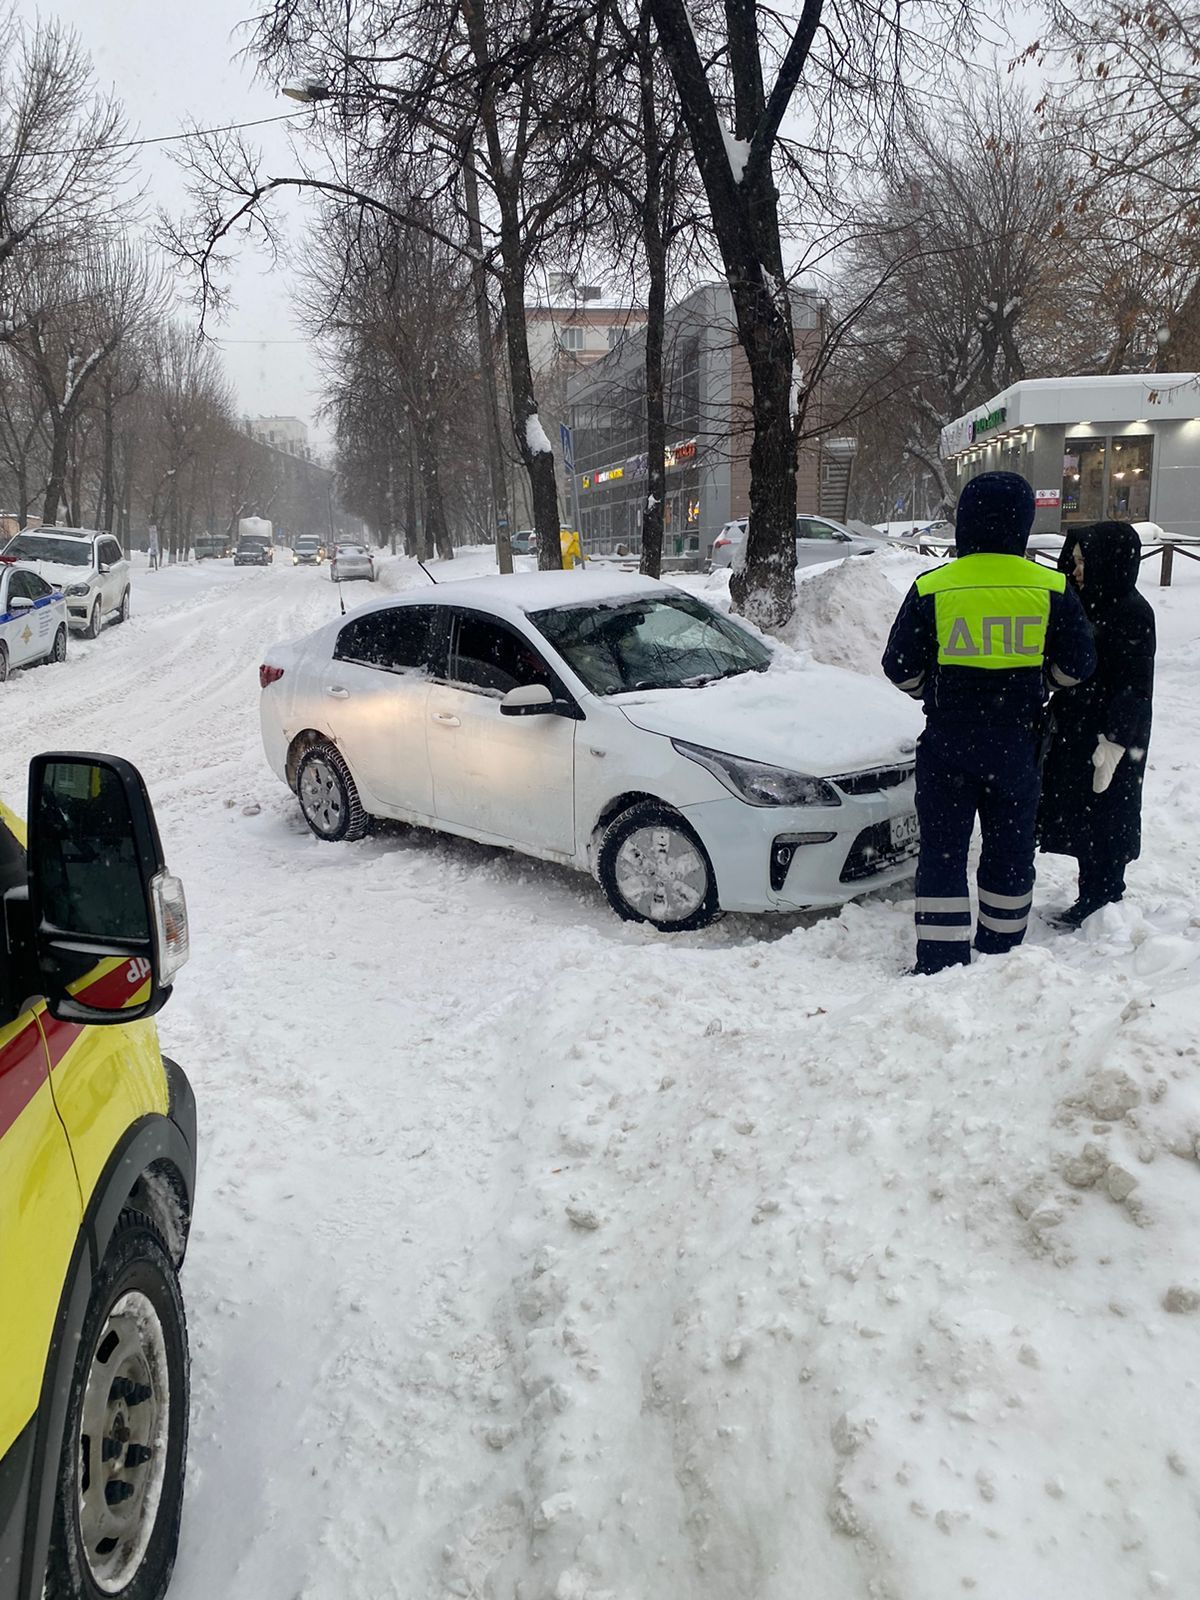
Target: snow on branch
x=535, y=436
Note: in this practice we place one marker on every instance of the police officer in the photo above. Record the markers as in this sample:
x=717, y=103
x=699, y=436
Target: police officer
x=978, y=640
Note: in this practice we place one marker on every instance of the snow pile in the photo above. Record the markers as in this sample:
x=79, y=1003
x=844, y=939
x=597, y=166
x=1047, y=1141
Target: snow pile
x=535, y=436
x=844, y=611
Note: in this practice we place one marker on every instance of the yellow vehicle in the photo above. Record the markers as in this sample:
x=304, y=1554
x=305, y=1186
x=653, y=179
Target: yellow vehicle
x=97, y=1170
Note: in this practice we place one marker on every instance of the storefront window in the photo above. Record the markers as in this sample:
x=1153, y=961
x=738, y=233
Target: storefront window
x=1129, y=479
x=1083, y=481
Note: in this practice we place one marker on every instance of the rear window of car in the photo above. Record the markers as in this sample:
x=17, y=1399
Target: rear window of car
x=400, y=639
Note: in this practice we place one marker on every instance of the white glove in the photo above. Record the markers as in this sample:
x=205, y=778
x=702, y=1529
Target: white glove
x=1105, y=759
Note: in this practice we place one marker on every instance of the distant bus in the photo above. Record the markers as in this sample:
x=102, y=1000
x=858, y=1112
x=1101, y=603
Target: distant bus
x=211, y=546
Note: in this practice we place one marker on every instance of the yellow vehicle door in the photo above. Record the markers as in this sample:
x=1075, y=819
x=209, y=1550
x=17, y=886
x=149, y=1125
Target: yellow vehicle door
x=40, y=1216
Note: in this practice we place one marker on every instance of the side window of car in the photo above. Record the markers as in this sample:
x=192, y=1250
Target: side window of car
x=36, y=588
x=396, y=640
x=812, y=529
x=489, y=656
x=112, y=552
x=18, y=587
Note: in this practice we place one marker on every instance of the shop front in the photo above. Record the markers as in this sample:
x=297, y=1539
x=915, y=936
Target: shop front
x=1120, y=448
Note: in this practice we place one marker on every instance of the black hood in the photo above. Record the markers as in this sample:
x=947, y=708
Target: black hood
x=994, y=515
x=1112, y=555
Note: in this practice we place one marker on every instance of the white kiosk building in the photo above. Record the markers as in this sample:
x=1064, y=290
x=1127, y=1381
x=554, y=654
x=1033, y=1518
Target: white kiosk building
x=1106, y=448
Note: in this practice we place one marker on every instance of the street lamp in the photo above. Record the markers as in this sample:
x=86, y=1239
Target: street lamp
x=307, y=93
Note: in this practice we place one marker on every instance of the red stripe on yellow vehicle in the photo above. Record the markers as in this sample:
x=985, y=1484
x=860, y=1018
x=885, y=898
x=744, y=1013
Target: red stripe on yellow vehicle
x=40, y=1215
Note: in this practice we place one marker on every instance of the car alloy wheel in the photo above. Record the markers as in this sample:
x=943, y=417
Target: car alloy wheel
x=3, y=663
x=59, y=653
x=124, y=616
x=654, y=869
x=95, y=622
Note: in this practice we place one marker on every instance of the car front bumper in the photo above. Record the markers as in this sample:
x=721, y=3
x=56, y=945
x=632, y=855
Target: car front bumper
x=742, y=840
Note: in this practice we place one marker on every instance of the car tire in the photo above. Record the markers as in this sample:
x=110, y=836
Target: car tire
x=3, y=663
x=59, y=652
x=134, y=1336
x=123, y=614
x=95, y=622
x=654, y=869
x=328, y=798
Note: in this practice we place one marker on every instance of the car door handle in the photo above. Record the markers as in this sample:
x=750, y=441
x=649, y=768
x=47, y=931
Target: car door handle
x=336, y=692
x=446, y=718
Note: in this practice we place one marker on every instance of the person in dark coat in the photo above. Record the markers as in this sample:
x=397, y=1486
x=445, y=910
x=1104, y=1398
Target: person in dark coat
x=976, y=641
x=1092, y=783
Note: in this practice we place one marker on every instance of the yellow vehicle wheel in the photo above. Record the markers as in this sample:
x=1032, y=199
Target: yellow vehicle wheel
x=120, y=1484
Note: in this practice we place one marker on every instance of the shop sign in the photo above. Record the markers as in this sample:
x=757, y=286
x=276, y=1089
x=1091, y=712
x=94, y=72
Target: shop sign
x=1047, y=497
x=586, y=480
x=610, y=475
x=678, y=455
x=989, y=421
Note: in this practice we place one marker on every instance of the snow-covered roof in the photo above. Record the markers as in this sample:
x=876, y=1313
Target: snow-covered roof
x=63, y=533
x=1138, y=397
x=518, y=593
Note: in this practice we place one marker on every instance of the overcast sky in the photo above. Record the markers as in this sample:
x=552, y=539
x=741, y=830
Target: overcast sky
x=173, y=61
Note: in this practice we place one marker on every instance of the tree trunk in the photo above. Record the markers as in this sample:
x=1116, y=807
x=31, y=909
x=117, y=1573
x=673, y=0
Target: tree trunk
x=56, y=482
x=503, y=170
x=487, y=366
x=654, y=244
x=106, y=519
x=437, y=530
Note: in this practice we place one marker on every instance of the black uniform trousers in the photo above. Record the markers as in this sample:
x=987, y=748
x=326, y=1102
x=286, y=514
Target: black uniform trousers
x=964, y=773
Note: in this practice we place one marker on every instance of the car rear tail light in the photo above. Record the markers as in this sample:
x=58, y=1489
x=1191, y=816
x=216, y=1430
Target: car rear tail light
x=720, y=542
x=268, y=675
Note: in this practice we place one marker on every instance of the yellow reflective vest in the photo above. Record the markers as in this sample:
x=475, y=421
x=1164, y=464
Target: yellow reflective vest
x=991, y=611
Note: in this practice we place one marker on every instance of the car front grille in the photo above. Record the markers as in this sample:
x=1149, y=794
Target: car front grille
x=873, y=852
x=874, y=780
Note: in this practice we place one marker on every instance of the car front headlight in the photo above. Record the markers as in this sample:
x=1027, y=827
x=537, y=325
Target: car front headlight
x=78, y=590
x=758, y=784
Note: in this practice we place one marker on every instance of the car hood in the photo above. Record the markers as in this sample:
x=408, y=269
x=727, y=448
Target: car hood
x=59, y=573
x=799, y=714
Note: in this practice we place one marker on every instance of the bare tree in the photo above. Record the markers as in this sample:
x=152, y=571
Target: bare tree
x=78, y=316
x=843, y=62
x=60, y=165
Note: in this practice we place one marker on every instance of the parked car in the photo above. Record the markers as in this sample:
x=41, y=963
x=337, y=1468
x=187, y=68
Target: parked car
x=524, y=542
x=97, y=1173
x=89, y=567
x=817, y=539
x=252, y=553
x=33, y=619
x=308, y=551
x=610, y=722
x=351, y=561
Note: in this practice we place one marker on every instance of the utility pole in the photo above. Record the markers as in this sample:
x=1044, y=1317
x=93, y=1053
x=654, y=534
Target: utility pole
x=487, y=361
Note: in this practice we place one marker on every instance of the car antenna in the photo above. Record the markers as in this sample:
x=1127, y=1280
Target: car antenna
x=426, y=571
x=342, y=598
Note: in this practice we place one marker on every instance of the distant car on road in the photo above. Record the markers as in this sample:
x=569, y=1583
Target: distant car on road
x=608, y=722
x=308, y=551
x=33, y=619
x=524, y=542
x=252, y=553
x=351, y=561
x=89, y=567
x=817, y=539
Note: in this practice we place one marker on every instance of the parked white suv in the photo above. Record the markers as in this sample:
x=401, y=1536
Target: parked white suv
x=610, y=722
x=89, y=567
x=817, y=539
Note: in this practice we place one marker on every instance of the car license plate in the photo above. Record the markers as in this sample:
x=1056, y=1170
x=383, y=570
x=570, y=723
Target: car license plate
x=905, y=832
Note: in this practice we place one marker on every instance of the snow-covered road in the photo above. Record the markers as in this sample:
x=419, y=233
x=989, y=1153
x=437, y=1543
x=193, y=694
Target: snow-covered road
x=538, y=1257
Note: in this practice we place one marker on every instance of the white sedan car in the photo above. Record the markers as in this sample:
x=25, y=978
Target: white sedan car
x=351, y=561
x=89, y=567
x=33, y=619
x=817, y=539
x=613, y=723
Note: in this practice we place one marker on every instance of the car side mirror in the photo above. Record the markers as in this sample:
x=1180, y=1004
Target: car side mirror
x=20, y=602
x=108, y=922
x=533, y=700
x=105, y=569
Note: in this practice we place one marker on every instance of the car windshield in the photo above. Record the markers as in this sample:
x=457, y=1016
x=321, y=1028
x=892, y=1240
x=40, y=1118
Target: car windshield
x=44, y=547
x=308, y=544
x=657, y=642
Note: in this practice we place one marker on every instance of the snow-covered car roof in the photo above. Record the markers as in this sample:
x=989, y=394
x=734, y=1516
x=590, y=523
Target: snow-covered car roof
x=58, y=533
x=517, y=595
